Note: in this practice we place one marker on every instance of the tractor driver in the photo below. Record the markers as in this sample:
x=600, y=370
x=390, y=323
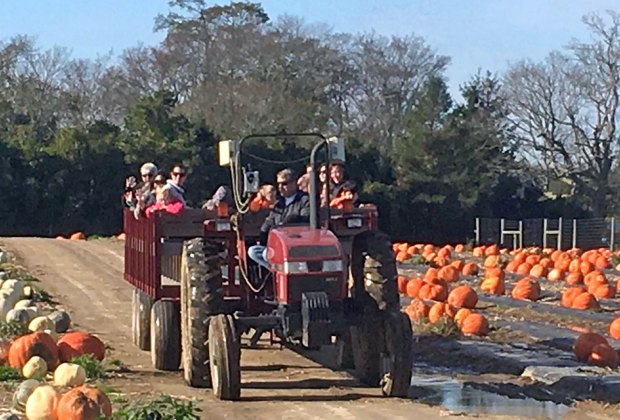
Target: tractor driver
x=292, y=206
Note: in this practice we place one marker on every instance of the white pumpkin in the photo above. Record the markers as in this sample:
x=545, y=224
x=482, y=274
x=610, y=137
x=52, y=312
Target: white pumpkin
x=27, y=291
x=41, y=323
x=23, y=391
x=12, y=296
x=69, y=374
x=41, y=404
x=14, y=285
x=35, y=368
x=24, y=303
x=18, y=315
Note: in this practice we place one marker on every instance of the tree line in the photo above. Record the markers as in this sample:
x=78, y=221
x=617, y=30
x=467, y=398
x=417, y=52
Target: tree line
x=539, y=140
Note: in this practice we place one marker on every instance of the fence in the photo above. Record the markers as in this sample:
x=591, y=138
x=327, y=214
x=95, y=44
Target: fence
x=553, y=233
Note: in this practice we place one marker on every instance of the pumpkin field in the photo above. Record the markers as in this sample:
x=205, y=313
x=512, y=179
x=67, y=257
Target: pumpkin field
x=498, y=333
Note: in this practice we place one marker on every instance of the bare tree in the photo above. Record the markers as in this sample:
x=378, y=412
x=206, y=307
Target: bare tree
x=565, y=110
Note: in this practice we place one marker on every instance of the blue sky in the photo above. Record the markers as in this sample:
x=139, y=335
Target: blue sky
x=485, y=34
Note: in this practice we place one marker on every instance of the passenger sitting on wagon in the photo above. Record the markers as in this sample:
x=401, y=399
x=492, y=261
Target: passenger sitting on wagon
x=348, y=193
x=178, y=175
x=165, y=200
x=141, y=193
x=222, y=194
x=293, y=206
x=265, y=198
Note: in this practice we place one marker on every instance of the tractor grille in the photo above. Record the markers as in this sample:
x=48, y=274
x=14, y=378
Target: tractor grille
x=297, y=285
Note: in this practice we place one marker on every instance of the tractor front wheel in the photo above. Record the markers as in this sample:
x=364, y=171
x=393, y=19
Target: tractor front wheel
x=224, y=357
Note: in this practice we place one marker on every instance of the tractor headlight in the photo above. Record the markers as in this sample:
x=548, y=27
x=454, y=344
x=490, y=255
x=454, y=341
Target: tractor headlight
x=292, y=267
x=332, y=265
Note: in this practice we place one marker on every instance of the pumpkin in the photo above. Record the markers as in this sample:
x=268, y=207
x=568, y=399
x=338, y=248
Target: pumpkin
x=69, y=374
x=5, y=306
x=33, y=344
x=569, y=294
x=491, y=261
x=434, y=291
x=21, y=316
x=470, y=269
x=440, y=310
x=23, y=391
x=463, y=297
x=603, y=291
x=493, y=285
x=69, y=406
x=35, y=368
x=538, y=271
x=77, y=236
x=417, y=310
x=614, y=329
x=24, y=303
x=526, y=289
x=524, y=269
x=14, y=286
x=574, y=278
x=495, y=272
x=594, y=277
x=555, y=275
x=585, y=301
x=41, y=323
x=475, y=324
x=77, y=343
x=413, y=287
x=448, y=273
x=430, y=274
x=603, y=355
x=41, y=404
x=585, y=343
x=459, y=248
x=458, y=265
x=61, y=320
x=461, y=314
x=27, y=291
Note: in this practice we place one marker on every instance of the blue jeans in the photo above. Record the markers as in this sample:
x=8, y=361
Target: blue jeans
x=259, y=254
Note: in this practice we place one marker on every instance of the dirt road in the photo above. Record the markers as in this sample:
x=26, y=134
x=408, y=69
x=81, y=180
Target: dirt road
x=86, y=277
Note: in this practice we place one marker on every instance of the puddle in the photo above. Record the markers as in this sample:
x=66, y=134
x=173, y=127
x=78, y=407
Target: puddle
x=454, y=396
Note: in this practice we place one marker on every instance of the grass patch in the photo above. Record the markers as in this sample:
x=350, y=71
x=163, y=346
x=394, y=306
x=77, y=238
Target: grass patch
x=164, y=407
x=445, y=327
x=94, y=368
x=8, y=373
x=41, y=295
x=12, y=329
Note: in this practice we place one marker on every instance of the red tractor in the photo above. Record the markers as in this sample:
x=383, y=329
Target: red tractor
x=332, y=281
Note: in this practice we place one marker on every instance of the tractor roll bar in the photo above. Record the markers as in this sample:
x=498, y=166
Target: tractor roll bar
x=314, y=207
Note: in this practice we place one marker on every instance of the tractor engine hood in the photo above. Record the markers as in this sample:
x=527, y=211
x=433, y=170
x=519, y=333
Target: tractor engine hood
x=301, y=244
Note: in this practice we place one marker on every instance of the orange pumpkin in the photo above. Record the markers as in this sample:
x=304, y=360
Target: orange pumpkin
x=461, y=314
x=524, y=269
x=431, y=273
x=538, y=271
x=574, y=278
x=601, y=263
x=440, y=310
x=569, y=294
x=459, y=248
x=585, y=301
x=448, y=273
x=470, y=269
x=603, y=291
x=463, y=297
x=413, y=287
x=82, y=403
x=77, y=343
x=475, y=324
x=604, y=355
x=438, y=290
x=512, y=266
x=594, y=277
x=458, y=265
x=585, y=343
x=417, y=310
x=402, y=284
x=614, y=329
x=495, y=272
x=526, y=289
x=33, y=344
x=555, y=275
x=77, y=236
x=493, y=286
x=491, y=261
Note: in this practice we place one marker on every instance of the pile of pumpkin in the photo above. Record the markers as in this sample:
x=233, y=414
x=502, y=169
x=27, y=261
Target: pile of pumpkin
x=40, y=354
x=432, y=299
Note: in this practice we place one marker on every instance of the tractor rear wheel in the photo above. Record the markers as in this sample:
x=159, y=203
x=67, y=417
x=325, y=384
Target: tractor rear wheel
x=378, y=356
x=165, y=335
x=224, y=357
x=141, y=319
x=201, y=297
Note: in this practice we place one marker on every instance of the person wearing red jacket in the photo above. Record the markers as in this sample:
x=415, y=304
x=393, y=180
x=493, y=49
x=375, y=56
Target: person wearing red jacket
x=165, y=200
